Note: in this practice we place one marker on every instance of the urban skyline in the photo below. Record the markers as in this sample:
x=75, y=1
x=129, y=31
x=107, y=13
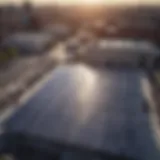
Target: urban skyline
x=69, y=2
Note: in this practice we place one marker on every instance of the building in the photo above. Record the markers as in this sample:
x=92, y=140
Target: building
x=13, y=19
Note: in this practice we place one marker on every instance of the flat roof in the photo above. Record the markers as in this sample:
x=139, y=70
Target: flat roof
x=126, y=45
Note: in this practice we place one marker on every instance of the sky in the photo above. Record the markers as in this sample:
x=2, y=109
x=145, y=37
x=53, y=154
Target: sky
x=65, y=2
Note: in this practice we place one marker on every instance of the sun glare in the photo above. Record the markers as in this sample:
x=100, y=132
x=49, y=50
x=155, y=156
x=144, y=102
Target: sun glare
x=92, y=1
x=88, y=1
x=69, y=2
x=105, y=2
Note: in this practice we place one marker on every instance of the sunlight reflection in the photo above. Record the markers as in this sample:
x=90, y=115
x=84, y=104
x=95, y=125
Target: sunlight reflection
x=89, y=79
x=59, y=54
x=153, y=119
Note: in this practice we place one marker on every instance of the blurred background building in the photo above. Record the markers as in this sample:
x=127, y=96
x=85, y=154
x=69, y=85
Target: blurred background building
x=15, y=18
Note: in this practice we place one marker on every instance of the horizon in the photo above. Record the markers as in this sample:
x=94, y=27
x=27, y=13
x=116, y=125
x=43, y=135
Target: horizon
x=83, y=2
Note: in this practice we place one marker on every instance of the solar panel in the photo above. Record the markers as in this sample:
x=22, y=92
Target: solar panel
x=100, y=109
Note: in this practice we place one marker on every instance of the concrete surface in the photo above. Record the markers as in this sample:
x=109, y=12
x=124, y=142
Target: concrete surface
x=23, y=72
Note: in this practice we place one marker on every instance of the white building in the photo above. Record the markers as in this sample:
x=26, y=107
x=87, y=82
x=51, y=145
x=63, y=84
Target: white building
x=126, y=52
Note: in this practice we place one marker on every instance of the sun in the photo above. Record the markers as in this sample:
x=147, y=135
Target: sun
x=103, y=2
x=92, y=1
x=81, y=1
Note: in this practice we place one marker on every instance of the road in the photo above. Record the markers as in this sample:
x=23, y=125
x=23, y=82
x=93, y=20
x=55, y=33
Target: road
x=97, y=108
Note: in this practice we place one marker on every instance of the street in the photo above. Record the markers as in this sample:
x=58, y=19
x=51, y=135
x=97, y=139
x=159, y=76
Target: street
x=98, y=108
